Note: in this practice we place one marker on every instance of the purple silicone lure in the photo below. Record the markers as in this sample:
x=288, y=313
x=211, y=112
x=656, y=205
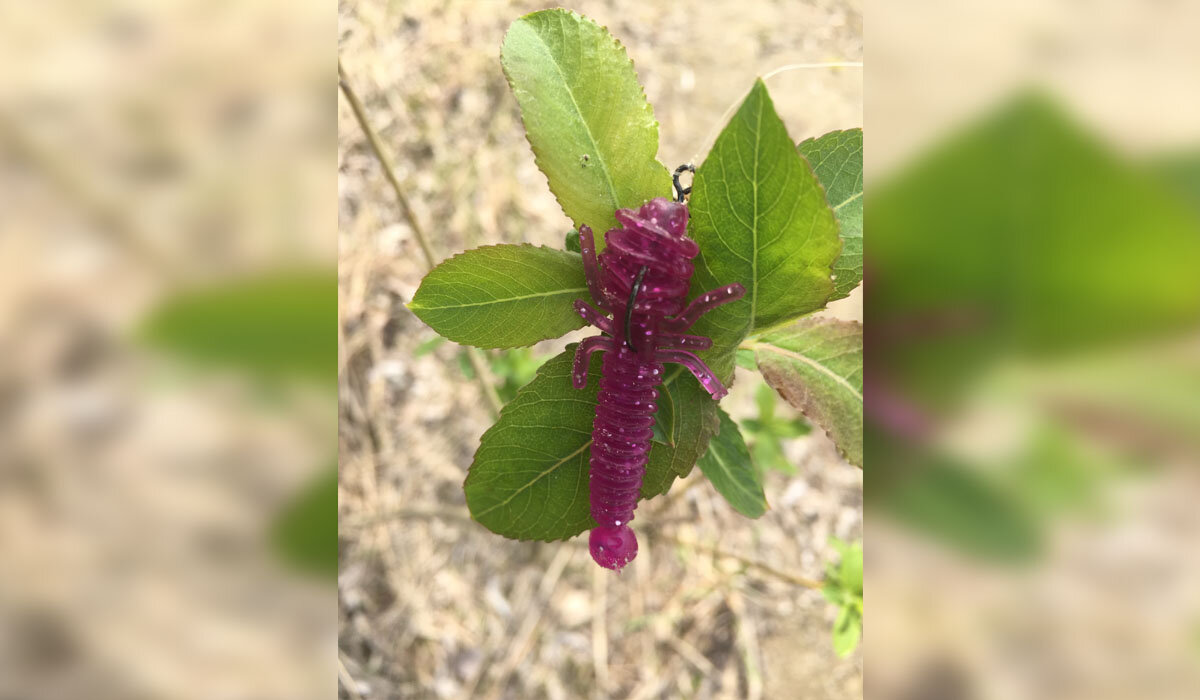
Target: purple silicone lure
x=642, y=279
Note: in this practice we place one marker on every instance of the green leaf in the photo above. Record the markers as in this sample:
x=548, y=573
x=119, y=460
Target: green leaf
x=306, y=532
x=529, y=477
x=1181, y=173
x=278, y=325
x=503, y=296
x=428, y=346
x=817, y=366
x=1071, y=247
x=571, y=242
x=764, y=397
x=847, y=630
x=966, y=510
x=592, y=131
x=849, y=572
x=767, y=453
x=760, y=217
x=514, y=369
x=745, y=359
x=728, y=467
x=837, y=160
x=664, y=419
x=694, y=422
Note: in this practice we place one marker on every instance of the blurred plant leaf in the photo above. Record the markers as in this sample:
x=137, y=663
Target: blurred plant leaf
x=593, y=133
x=728, y=466
x=965, y=509
x=817, y=366
x=529, y=477
x=1053, y=475
x=745, y=359
x=846, y=631
x=844, y=588
x=1022, y=236
x=502, y=296
x=849, y=571
x=571, y=242
x=277, y=325
x=767, y=432
x=761, y=219
x=428, y=346
x=1181, y=172
x=514, y=369
x=464, y=363
x=764, y=399
x=837, y=161
x=305, y=534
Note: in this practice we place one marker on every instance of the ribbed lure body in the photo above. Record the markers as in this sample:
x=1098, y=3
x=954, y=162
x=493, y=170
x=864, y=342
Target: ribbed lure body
x=642, y=280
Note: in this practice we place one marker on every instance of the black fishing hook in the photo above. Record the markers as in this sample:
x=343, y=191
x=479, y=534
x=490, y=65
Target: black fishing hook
x=680, y=190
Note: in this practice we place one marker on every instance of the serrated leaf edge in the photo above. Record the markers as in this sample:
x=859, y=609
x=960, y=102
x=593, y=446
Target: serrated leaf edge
x=537, y=156
x=582, y=290
x=840, y=450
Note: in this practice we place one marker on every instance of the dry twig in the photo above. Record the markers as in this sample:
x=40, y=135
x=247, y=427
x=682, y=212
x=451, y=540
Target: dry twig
x=473, y=354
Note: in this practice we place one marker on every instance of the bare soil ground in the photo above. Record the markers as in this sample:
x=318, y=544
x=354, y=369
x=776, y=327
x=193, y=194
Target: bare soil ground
x=434, y=605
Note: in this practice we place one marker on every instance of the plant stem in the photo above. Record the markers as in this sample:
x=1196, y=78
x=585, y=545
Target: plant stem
x=765, y=568
x=482, y=372
x=385, y=160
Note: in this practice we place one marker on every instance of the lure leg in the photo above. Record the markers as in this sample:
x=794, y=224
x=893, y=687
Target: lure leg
x=697, y=367
x=703, y=304
x=591, y=266
x=673, y=341
x=583, y=355
x=594, y=316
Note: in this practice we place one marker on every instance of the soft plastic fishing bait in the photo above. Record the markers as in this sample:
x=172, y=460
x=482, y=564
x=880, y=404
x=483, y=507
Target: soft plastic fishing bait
x=641, y=279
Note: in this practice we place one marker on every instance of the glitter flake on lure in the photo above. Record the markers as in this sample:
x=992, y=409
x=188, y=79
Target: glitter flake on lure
x=641, y=279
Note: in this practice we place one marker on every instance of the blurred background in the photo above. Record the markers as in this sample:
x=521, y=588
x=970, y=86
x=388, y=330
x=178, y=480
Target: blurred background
x=431, y=603
x=1033, y=359
x=167, y=293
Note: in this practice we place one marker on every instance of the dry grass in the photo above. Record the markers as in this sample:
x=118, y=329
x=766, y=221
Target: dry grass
x=434, y=605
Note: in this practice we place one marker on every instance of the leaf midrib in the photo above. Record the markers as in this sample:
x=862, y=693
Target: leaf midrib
x=499, y=300
x=737, y=483
x=754, y=230
x=851, y=198
x=534, y=480
x=767, y=347
x=586, y=127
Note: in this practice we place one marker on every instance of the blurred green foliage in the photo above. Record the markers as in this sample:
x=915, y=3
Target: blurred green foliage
x=1023, y=246
x=971, y=511
x=1180, y=172
x=1022, y=236
x=767, y=432
x=305, y=533
x=277, y=326
x=571, y=242
x=844, y=588
x=514, y=369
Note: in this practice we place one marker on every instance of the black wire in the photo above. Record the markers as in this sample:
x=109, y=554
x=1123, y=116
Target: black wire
x=680, y=190
x=637, y=287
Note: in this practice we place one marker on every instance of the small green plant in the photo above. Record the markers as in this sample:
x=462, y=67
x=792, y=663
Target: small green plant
x=844, y=588
x=768, y=431
x=512, y=369
x=771, y=233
